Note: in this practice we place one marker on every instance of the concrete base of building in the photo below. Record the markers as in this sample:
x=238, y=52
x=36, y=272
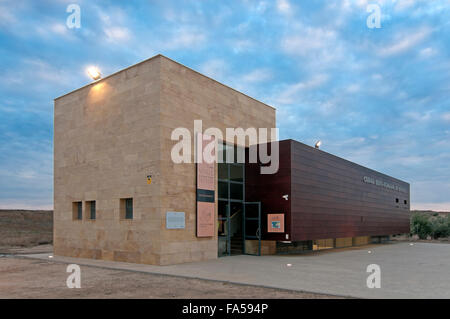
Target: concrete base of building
x=330, y=243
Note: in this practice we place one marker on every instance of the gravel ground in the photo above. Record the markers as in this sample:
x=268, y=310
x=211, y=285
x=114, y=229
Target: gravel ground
x=29, y=278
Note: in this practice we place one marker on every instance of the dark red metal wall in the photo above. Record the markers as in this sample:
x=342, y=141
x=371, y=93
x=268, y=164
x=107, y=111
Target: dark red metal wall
x=328, y=197
x=269, y=189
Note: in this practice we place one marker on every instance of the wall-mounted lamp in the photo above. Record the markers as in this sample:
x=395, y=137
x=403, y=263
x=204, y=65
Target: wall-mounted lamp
x=318, y=143
x=94, y=73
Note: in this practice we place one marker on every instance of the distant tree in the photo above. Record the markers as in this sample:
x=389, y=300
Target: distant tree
x=420, y=225
x=440, y=227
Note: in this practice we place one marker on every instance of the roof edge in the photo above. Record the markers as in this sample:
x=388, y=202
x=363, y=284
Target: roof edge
x=229, y=87
x=108, y=76
x=346, y=160
x=163, y=56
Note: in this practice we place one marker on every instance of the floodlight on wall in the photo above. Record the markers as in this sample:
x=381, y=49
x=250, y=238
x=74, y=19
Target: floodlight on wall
x=318, y=143
x=94, y=73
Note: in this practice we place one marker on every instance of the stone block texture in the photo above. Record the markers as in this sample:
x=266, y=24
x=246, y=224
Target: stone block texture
x=111, y=134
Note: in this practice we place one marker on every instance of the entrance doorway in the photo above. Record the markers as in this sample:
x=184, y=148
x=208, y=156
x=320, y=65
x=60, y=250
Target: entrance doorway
x=252, y=228
x=236, y=227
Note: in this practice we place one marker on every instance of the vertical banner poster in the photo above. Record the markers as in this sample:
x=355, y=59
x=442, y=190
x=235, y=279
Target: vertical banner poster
x=205, y=185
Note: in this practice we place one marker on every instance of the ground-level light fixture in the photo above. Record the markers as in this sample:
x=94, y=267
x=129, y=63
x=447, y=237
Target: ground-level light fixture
x=94, y=72
x=318, y=143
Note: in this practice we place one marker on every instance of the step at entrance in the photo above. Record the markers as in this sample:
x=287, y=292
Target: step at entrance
x=236, y=246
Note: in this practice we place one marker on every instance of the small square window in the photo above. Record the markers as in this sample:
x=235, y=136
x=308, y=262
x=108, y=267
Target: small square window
x=126, y=208
x=91, y=206
x=77, y=210
x=396, y=200
x=405, y=202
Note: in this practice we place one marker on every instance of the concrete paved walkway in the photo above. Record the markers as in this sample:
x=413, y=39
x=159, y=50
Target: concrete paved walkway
x=419, y=270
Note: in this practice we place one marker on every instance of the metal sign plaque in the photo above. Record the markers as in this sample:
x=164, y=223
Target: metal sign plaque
x=275, y=223
x=175, y=220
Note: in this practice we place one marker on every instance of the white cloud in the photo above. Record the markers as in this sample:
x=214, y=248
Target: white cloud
x=365, y=3
x=55, y=28
x=116, y=34
x=441, y=207
x=410, y=160
x=377, y=77
x=427, y=52
x=215, y=68
x=355, y=150
x=419, y=117
x=283, y=6
x=258, y=75
x=241, y=45
x=25, y=204
x=401, y=5
x=7, y=18
x=261, y=7
x=49, y=29
x=311, y=39
x=185, y=37
x=292, y=92
x=404, y=42
x=26, y=174
x=113, y=24
x=353, y=88
x=446, y=117
x=41, y=72
x=59, y=28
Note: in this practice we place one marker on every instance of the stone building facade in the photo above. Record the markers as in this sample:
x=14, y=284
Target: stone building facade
x=112, y=151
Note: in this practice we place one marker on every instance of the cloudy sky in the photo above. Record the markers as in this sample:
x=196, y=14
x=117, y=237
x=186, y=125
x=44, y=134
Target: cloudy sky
x=377, y=96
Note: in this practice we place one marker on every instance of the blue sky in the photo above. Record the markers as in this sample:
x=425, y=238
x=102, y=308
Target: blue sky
x=379, y=97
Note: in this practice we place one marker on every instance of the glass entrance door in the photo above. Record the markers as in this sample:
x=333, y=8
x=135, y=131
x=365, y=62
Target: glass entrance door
x=252, y=228
x=231, y=194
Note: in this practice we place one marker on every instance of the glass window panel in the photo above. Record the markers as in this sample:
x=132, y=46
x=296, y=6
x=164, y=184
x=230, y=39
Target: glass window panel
x=251, y=211
x=236, y=191
x=223, y=171
x=129, y=208
x=221, y=153
x=92, y=209
x=223, y=190
x=235, y=208
x=222, y=210
x=229, y=158
x=237, y=173
x=79, y=210
x=251, y=228
x=239, y=154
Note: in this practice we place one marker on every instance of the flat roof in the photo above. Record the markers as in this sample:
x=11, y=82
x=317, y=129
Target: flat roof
x=153, y=57
x=343, y=159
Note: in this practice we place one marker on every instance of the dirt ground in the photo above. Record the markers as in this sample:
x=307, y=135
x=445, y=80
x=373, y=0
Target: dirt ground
x=32, y=278
x=25, y=227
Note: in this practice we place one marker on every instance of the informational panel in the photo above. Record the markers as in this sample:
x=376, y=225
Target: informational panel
x=175, y=220
x=275, y=223
x=205, y=186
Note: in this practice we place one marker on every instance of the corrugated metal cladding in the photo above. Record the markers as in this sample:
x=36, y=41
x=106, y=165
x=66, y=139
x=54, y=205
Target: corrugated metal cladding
x=329, y=197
